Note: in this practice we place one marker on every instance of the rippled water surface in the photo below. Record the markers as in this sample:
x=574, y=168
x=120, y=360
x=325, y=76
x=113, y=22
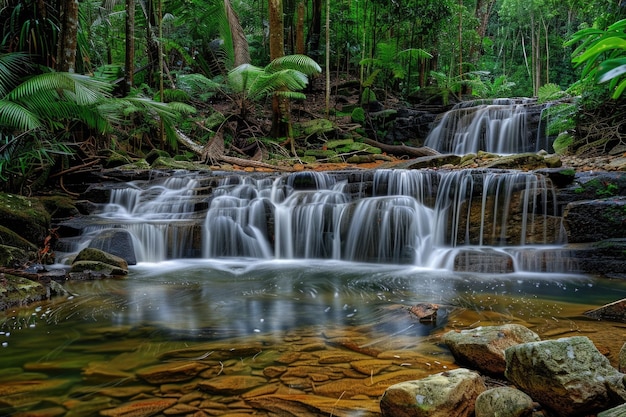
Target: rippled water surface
x=108, y=330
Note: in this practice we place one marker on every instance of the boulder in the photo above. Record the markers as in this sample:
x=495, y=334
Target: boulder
x=483, y=347
x=118, y=242
x=569, y=376
x=25, y=216
x=504, y=402
x=96, y=260
x=595, y=220
x=18, y=291
x=605, y=257
x=619, y=411
x=615, y=311
x=450, y=393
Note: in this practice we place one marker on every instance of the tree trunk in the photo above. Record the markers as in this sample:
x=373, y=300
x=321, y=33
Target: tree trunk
x=280, y=128
x=129, y=78
x=315, y=31
x=300, y=12
x=66, y=48
x=152, y=44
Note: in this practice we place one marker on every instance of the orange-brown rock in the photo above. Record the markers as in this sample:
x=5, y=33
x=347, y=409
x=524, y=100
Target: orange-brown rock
x=171, y=372
x=141, y=408
x=231, y=384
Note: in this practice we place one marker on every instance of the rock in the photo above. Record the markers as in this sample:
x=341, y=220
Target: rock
x=483, y=347
x=504, y=402
x=615, y=311
x=91, y=259
x=524, y=161
x=140, y=408
x=118, y=242
x=25, y=216
x=595, y=220
x=231, y=384
x=18, y=291
x=569, y=375
x=622, y=359
x=619, y=411
x=171, y=372
x=605, y=257
x=425, y=312
x=451, y=393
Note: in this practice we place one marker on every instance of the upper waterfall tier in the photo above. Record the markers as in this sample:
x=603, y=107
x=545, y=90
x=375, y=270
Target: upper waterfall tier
x=479, y=220
x=503, y=126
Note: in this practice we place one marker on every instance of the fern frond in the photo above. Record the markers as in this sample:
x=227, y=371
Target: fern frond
x=16, y=117
x=302, y=63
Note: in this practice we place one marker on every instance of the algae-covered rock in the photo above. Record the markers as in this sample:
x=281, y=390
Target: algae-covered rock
x=92, y=259
x=18, y=291
x=25, y=216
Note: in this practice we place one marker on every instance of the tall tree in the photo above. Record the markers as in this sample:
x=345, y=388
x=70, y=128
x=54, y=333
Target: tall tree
x=277, y=50
x=66, y=49
x=129, y=78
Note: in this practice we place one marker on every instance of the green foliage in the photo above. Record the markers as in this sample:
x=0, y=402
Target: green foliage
x=284, y=77
x=602, y=55
x=391, y=64
x=550, y=92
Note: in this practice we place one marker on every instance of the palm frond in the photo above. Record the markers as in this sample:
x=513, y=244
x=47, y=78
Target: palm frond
x=11, y=65
x=302, y=63
x=288, y=79
x=13, y=116
x=242, y=77
x=86, y=90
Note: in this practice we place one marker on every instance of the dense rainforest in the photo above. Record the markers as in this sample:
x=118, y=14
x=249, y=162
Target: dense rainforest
x=104, y=82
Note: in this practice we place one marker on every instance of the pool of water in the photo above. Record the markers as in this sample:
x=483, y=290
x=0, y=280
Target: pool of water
x=90, y=352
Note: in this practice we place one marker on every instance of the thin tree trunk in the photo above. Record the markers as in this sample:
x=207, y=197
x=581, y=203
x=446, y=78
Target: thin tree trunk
x=300, y=12
x=66, y=47
x=327, y=58
x=129, y=78
x=315, y=32
x=280, y=106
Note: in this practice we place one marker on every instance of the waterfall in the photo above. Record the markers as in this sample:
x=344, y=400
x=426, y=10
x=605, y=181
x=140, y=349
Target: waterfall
x=500, y=126
x=475, y=220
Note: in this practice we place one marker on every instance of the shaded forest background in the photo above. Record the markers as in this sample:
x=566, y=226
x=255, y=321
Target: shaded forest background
x=86, y=83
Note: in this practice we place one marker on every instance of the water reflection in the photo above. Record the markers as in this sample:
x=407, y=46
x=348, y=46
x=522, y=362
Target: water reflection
x=174, y=305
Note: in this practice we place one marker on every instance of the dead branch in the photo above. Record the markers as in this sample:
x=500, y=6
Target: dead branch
x=402, y=150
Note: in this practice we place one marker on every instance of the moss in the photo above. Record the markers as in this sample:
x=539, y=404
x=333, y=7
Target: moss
x=59, y=206
x=320, y=153
x=332, y=144
x=25, y=216
x=11, y=256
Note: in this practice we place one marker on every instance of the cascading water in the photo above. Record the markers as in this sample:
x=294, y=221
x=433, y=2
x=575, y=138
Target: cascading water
x=499, y=126
x=458, y=220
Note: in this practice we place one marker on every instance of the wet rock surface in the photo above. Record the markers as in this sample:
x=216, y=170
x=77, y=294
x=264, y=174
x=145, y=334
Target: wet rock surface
x=484, y=347
x=569, y=376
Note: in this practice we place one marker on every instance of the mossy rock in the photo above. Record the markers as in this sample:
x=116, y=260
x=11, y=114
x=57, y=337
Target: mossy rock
x=18, y=291
x=316, y=126
x=320, y=153
x=11, y=256
x=360, y=147
x=60, y=206
x=92, y=259
x=25, y=216
x=332, y=144
x=155, y=154
x=9, y=238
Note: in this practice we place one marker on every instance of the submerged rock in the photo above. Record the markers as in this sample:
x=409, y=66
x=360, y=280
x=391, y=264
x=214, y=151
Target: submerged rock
x=118, y=242
x=483, y=347
x=450, y=393
x=569, y=376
